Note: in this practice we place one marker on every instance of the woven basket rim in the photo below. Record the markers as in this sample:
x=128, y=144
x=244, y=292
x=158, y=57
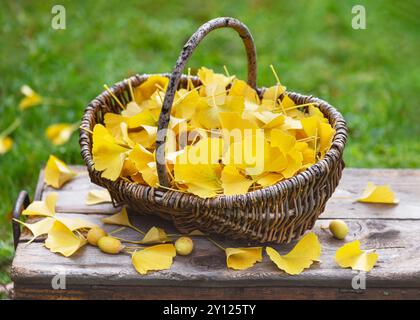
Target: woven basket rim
x=333, y=154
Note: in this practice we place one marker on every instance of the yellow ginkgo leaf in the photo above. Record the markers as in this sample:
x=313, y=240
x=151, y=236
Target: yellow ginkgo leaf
x=208, y=116
x=269, y=119
x=274, y=92
x=120, y=218
x=233, y=182
x=378, y=194
x=42, y=208
x=155, y=235
x=351, y=256
x=310, y=126
x=60, y=133
x=144, y=135
x=287, y=102
x=38, y=228
x=268, y=179
x=186, y=103
x=326, y=135
x=294, y=163
x=158, y=257
x=57, y=173
x=76, y=223
x=98, y=196
x=282, y=140
x=305, y=252
x=147, y=88
x=31, y=98
x=62, y=240
x=241, y=88
x=202, y=180
x=149, y=174
x=291, y=124
x=108, y=153
x=140, y=156
x=6, y=143
x=233, y=121
x=214, y=84
x=243, y=258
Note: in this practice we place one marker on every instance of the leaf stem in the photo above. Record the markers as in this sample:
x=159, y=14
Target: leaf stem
x=137, y=229
x=131, y=90
x=15, y=124
x=116, y=230
x=216, y=244
x=87, y=130
x=114, y=96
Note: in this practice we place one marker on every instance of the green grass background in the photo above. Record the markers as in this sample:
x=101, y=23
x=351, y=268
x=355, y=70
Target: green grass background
x=372, y=76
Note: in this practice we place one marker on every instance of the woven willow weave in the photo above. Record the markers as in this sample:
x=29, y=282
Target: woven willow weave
x=278, y=213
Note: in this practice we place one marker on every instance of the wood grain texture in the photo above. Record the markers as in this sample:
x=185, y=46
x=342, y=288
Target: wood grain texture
x=394, y=231
x=398, y=264
x=199, y=293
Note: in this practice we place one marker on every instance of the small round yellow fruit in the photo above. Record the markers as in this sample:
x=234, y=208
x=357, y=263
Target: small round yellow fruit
x=110, y=245
x=184, y=246
x=339, y=229
x=94, y=235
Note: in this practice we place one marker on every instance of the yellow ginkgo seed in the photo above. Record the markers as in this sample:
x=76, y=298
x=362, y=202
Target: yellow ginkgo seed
x=110, y=245
x=339, y=229
x=94, y=235
x=184, y=246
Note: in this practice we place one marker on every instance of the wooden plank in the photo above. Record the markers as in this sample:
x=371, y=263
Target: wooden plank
x=406, y=184
x=392, y=230
x=200, y=293
x=396, y=241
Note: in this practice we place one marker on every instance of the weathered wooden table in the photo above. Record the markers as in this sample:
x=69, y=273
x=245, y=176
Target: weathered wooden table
x=393, y=230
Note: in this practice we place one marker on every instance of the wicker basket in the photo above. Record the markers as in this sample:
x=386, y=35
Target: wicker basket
x=278, y=213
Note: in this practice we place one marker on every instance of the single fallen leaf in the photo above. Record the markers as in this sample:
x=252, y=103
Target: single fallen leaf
x=351, y=256
x=57, y=173
x=120, y=218
x=60, y=133
x=196, y=233
x=6, y=143
x=158, y=257
x=42, y=208
x=305, y=252
x=31, y=98
x=155, y=235
x=38, y=228
x=243, y=258
x=378, y=194
x=62, y=240
x=77, y=223
x=98, y=196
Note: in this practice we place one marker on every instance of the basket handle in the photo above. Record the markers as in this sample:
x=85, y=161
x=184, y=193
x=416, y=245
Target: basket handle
x=174, y=79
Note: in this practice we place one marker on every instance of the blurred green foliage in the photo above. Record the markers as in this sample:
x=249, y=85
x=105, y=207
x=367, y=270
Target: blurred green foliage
x=372, y=76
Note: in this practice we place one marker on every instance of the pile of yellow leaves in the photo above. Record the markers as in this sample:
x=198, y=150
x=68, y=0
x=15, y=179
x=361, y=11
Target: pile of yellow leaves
x=223, y=138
